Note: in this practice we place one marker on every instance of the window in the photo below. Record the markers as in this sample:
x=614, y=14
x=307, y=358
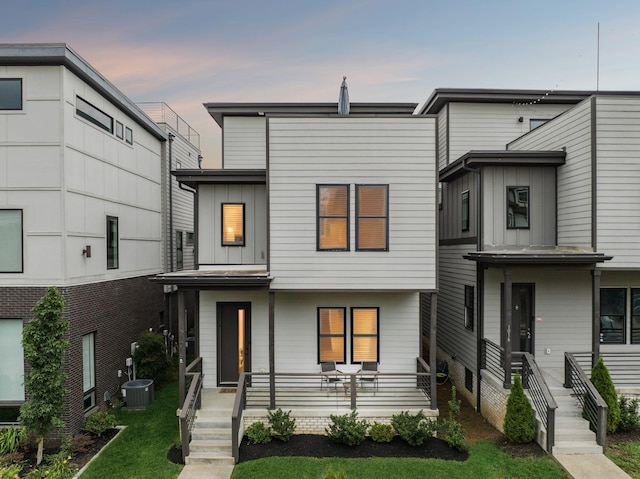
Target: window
x=89, y=370
x=635, y=316
x=10, y=93
x=465, y=211
x=232, y=224
x=179, y=250
x=372, y=221
x=613, y=306
x=536, y=122
x=331, y=334
x=112, y=242
x=12, y=364
x=128, y=135
x=364, y=335
x=94, y=115
x=189, y=238
x=11, y=241
x=119, y=130
x=333, y=217
x=440, y=195
x=517, y=207
x=468, y=307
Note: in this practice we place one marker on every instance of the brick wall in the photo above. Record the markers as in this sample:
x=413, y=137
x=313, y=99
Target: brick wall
x=116, y=311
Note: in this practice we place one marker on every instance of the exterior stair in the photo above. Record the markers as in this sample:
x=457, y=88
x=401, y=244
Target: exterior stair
x=211, y=438
x=572, y=433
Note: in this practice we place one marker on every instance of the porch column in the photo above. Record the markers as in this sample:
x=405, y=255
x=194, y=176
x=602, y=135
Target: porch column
x=595, y=335
x=508, y=301
x=432, y=351
x=272, y=354
x=182, y=347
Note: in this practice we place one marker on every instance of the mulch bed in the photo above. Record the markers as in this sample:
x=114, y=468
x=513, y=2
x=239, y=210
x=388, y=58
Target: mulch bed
x=312, y=445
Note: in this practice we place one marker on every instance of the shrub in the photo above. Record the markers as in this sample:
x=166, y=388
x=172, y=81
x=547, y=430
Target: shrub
x=629, y=416
x=79, y=444
x=99, y=422
x=11, y=471
x=382, y=432
x=602, y=382
x=11, y=438
x=59, y=466
x=282, y=424
x=347, y=429
x=413, y=428
x=450, y=429
x=332, y=475
x=151, y=356
x=520, y=421
x=258, y=433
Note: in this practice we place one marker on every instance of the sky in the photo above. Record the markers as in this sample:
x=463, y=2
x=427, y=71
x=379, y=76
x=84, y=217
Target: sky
x=189, y=52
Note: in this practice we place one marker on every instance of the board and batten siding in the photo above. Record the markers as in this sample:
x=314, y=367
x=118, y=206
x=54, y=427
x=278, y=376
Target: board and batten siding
x=562, y=303
x=618, y=179
x=210, y=249
x=451, y=225
x=572, y=131
x=306, y=152
x=542, y=206
x=443, y=147
x=456, y=272
x=244, y=143
x=490, y=126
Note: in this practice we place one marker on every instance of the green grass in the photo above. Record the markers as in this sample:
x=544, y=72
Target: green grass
x=626, y=456
x=140, y=450
x=485, y=460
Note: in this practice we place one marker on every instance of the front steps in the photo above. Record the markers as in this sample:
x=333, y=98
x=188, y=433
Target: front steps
x=211, y=438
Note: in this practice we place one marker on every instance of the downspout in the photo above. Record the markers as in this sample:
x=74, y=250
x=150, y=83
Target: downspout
x=170, y=306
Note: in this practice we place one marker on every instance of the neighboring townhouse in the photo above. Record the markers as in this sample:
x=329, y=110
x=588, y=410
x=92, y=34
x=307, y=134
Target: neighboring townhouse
x=314, y=240
x=537, y=252
x=81, y=187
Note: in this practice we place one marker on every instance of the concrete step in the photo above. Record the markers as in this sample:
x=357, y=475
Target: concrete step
x=575, y=435
x=571, y=422
x=576, y=447
x=202, y=433
x=217, y=459
x=211, y=445
x=566, y=412
x=212, y=423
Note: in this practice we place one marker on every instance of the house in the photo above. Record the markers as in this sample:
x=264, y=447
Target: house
x=82, y=184
x=314, y=240
x=538, y=253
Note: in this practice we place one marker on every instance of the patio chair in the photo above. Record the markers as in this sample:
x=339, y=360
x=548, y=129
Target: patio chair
x=330, y=375
x=368, y=374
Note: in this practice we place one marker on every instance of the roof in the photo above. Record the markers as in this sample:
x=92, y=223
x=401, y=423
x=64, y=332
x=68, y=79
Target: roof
x=61, y=54
x=219, y=110
x=195, y=177
x=478, y=158
x=210, y=279
x=557, y=256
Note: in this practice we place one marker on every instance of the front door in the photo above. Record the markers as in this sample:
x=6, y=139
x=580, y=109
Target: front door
x=234, y=341
x=522, y=323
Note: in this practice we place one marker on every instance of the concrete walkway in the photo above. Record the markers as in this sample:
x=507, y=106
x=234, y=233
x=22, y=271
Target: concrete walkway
x=588, y=466
x=205, y=471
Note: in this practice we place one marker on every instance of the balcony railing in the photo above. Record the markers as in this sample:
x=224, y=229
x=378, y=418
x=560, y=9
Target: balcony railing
x=162, y=113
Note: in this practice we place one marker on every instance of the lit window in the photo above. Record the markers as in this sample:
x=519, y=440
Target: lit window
x=333, y=217
x=233, y=224
x=119, y=130
x=128, y=135
x=89, y=370
x=96, y=116
x=179, y=251
x=10, y=241
x=10, y=94
x=613, y=307
x=331, y=335
x=112, y=242
x=517, y=207
x=364, y=335
x=372, y=225
x=468, y=307
x=465, y=211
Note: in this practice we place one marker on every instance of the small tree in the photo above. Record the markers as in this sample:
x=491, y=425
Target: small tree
x=602, y=381
x=151, y=356
x=44, y=347
x=520, y=421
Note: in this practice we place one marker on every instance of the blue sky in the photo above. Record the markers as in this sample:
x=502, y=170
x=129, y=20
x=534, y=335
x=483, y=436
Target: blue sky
x=189, y=52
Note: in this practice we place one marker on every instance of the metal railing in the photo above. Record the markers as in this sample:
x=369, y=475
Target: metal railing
x=162, y=113
x=239, y=405
x=540, y=395
x=624, y=368
x=594, y=408
x=493, y=359
x=187, y=413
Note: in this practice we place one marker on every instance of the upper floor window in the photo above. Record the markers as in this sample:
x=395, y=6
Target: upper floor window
x=364, y=335
x=232, y=224
x=517, y=206
x=331, y=335
x=536, y=122
x=10, y=93
x=96, y=116
x=128, y=135
x=112, y=242
x=119, y=130
x=11, y=241
x=333, y=217
x=372, y=220
x=464, y=212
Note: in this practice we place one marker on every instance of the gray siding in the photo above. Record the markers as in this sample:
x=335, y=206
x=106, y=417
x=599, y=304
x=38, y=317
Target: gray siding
x=244, y=143
x=571, y=131
x=210, y=249
x=443, y=157
x=451, y=214
x=542, y=206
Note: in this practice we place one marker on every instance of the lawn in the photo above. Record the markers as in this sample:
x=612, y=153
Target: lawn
x=486, y=460
x=626, y=455
x=140, y=450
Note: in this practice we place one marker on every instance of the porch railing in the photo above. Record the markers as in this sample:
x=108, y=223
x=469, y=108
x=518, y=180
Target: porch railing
x=236, y=416
x=493, y=359
x=191, y=403
x=594, y=409
x=540, y=395
x=624, y=368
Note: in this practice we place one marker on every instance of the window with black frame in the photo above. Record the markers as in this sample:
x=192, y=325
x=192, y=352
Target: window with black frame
x=517, y=207
x=613, y=305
